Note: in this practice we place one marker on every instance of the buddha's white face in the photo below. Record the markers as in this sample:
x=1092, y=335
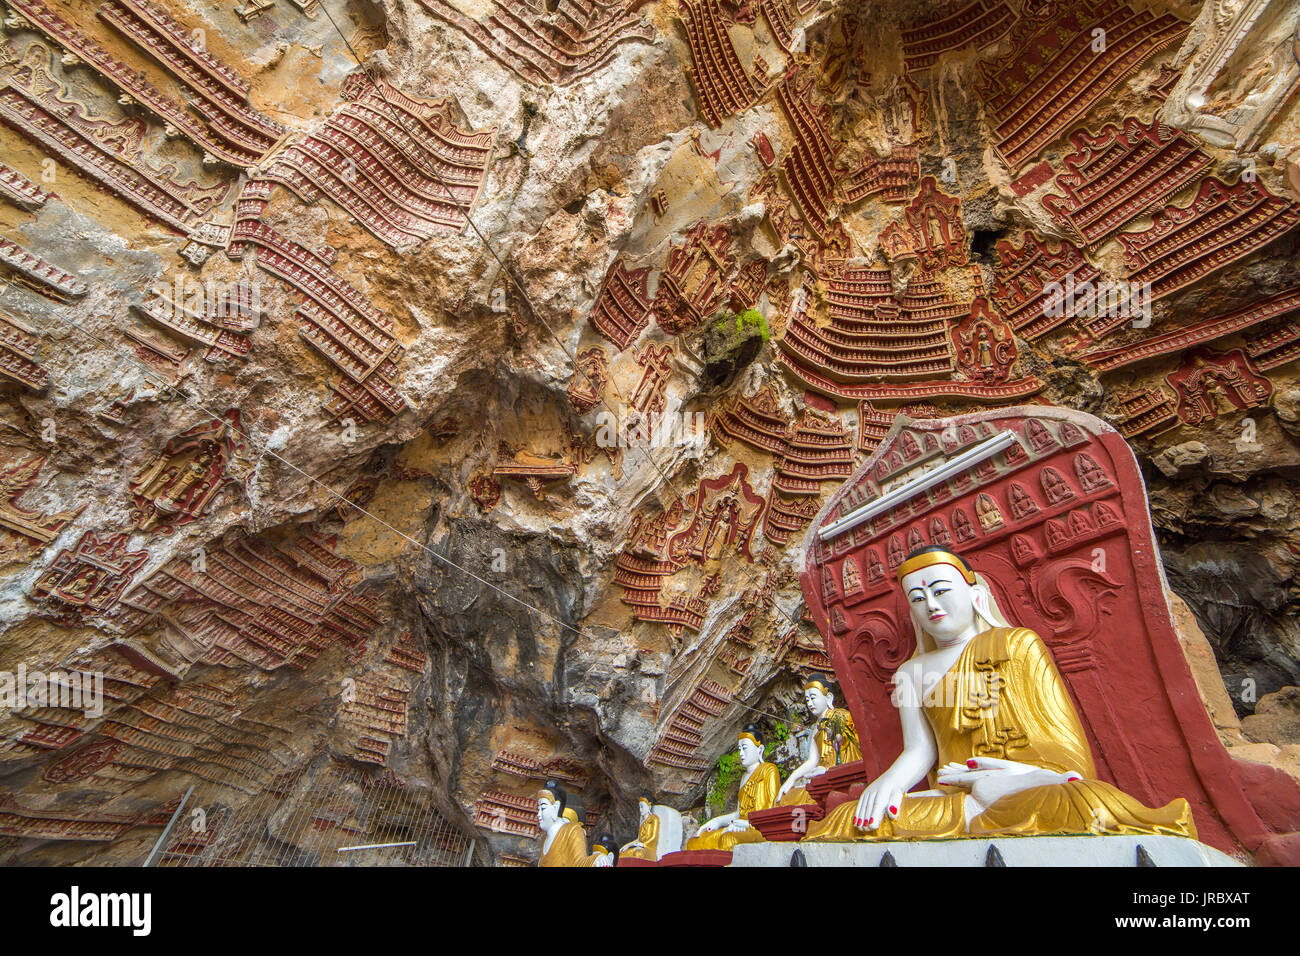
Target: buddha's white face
x=941, y=602
x=645, y=810
x=817, y=702
x=548, y=813
x=750, y=752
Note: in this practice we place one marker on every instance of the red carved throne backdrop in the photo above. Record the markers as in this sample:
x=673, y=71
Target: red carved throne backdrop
x=1057, y=523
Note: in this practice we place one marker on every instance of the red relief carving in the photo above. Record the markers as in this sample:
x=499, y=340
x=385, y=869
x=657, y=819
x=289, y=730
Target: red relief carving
x=976, y=24
x=16, y=479
x=931, y=231
x=18, y=347
x=722, y=84
x=485, y=490
x=19, y=190
x=763, y=147
x=786, y=516
x=506, y=813
x=35, y=273
x=1070, y=489
x=983, y=345
x=223, y=325
x=757, y=421
x=1023, y=274
x=590, y=373
x=85, y=581
x=1034, y=177
x=874, y=423
x=1164, y=83
x=748, y=285
x=82, y=762
x=781, y=20
x=408, y=655
x=622, y=307
x=398, y=164
x=891, y=178
x=870, y=335
x=809, y=170
x=17, y=821
x=179, y=483
x=132, y=83
x=555, y=42
x=1053, y=77
x=533, y=470
x=338, y=322
x=1220, y=225
x=375, y=715
x=214, y=90
x=1147, y=412
x=693, y=283
x=1276, y=346
x=817, y=450
x=258, y=602
x=681, y=735
x=1180, y=340
x=656, y=365
x=725, y=515
x=1115, y=176
x=37, y=105
x=1209, y=384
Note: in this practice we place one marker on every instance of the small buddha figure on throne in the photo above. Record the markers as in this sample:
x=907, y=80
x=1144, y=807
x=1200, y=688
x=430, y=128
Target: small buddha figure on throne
x=835, y=743
x=646, y=844
x=758, y=787
x=988, y=719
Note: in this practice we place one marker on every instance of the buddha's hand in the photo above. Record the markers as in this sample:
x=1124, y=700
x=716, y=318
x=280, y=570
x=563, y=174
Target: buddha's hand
x=816, y=772
x=708, y=827
x=604, y=860
x=882, y=798
x=989, y=779
x=736, y=826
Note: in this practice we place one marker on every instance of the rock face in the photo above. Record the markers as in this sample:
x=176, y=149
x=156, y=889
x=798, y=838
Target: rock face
x=451, y=420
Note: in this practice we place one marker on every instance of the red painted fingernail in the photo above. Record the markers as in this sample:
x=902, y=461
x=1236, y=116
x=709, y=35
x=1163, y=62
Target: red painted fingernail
x=971, y=763
x=871, y=819
x=893, y=809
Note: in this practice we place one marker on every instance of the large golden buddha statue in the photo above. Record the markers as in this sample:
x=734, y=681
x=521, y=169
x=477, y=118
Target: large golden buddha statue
x=758, y=788
x=564, y=842
x=987, y=717
x=835, y=742
x=646, y=844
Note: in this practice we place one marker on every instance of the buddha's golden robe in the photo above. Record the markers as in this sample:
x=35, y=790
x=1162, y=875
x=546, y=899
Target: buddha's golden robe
x=648, y=837
x=824, y=741
x=1005, y=698
x=756, y=793
x=569, y=848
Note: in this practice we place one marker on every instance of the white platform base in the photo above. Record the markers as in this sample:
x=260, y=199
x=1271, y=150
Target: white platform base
x=1015, y=851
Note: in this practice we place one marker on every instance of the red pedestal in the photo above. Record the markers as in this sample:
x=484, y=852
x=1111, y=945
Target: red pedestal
x=696, y=858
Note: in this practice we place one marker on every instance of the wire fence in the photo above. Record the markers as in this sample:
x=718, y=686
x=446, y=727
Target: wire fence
x=337, y=819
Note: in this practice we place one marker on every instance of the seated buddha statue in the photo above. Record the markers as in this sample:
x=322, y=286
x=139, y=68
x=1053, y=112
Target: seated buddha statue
x=835, y=742
x=758, y=787
x=604, y=851
x=564, y=842
x=988, y=719
x=646, y=844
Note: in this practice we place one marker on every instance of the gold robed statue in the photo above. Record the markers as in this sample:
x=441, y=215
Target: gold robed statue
x=758, y=789
x=564, y=842
x=835, y=743
x=988, y=719
x=646, y=844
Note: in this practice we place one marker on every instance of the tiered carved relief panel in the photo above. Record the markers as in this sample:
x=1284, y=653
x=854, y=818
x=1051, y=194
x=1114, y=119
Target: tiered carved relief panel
x=1053, y=76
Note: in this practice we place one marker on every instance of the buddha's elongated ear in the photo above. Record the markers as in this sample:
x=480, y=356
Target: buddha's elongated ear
x=983, y=605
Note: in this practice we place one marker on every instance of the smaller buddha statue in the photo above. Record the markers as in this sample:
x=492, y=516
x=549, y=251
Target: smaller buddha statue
x=758, y=788
x=604, y=851
x=834, y=743
x=564, y=842
x=646, y=844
